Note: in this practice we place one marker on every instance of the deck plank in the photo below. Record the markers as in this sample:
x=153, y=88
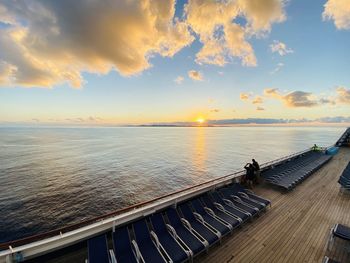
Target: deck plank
x=296, y=228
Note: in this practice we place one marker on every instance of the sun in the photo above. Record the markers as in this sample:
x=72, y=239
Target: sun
x=200, y=120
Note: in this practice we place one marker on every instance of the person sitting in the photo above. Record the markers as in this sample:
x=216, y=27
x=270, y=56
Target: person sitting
x=256, y=168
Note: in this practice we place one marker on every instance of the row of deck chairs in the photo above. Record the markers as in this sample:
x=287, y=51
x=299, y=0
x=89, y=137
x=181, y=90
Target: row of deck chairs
x=344, y=179
x=344, y=139
x=178, y=234
x=288, y=175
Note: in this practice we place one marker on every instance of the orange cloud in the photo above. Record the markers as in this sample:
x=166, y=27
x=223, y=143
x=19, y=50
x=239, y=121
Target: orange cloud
x=343, y=95
x=258, y=100
x=339, y=12
x=222, y=38
x=195, y=75
x=51, y=42
x=244, y=96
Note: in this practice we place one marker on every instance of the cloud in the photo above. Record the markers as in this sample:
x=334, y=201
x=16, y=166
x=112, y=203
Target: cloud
x=179, y=80
x=222, y=37
x=280, y=48
x=52, y=42
x=277, y=69
x=258, y=100
x=261, y=15
x=339, y=12
x=195, y=75
x=343, y=95
x=46, y=43
x=89, y=119
x=260, y=109
x=271, y=92
x=215, y=110
x=244, y=96
x=324, y=101
x=299, y=99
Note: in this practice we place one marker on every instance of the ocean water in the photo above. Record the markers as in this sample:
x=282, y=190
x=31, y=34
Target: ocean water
x=51, y=177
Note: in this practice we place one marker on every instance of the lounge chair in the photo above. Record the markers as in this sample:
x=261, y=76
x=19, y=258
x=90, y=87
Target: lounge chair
x=228, y=206
x=250, y=194
x=342, y=232
x=150, y=248
x=328, y=260
x=209, y=206
x=253, y=210
x=124, y=249
x=193, y=239
x=222, y=226
x=204, y=229
x=98, y=250
x=175, y=247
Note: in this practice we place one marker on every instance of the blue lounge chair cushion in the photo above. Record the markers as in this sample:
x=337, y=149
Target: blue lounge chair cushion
x=173, y=249
x=122, y=246
x=342, y=232
x=148, y=249
x=191, y=241
x=98, y=250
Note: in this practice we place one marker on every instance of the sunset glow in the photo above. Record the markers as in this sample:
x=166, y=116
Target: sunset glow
x=149, y=62
x=200, y=120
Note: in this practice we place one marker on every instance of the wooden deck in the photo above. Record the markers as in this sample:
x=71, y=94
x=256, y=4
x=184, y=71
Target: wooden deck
x=296, y=228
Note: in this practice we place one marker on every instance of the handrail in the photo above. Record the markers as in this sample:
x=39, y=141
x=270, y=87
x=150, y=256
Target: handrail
x=65, y=229
x=344, y=136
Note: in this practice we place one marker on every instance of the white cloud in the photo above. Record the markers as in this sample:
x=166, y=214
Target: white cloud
x=195, y=75
x=339, y=12
x=260, y=108
x=179, y=80
x=277, y=68
x=50, y=42
x=280, y=48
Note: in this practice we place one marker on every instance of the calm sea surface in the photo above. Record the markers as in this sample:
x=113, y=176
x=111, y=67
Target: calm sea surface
x=51, y=177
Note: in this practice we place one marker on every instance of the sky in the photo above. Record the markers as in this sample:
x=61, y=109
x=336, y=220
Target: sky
x=143, y=61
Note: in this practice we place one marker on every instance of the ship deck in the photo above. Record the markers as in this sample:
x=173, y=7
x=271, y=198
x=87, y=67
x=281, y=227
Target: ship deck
x=297, y=227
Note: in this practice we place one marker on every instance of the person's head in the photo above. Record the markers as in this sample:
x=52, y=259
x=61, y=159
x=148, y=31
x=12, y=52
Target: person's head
x=253, y=160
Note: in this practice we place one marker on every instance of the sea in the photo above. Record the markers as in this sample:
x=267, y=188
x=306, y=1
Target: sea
x=53, y=177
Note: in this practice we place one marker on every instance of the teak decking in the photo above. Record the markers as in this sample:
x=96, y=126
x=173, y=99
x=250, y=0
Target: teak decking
x=296, y=228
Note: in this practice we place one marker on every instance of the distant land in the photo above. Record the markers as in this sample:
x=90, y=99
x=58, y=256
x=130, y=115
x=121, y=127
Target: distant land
x=255, y=121
x=94, y=122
